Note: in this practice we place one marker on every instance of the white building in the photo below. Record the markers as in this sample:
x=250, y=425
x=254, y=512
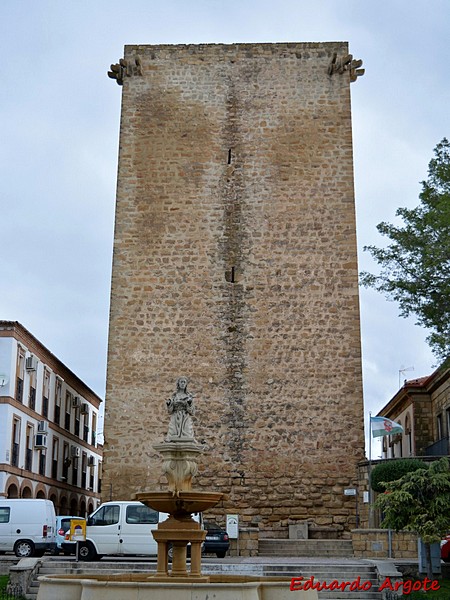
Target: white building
x=48, y=427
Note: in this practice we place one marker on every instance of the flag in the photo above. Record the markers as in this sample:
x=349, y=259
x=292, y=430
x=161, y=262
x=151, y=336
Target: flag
x=381, y=426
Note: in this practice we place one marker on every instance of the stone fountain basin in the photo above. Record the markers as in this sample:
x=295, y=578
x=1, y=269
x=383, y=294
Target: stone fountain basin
x=141, y=587
x=184, y=502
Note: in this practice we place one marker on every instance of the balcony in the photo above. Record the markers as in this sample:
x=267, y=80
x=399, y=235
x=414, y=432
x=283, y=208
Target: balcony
x=439, y=448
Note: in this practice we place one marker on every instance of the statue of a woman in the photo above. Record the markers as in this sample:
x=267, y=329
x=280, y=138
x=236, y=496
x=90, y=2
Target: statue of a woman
x=180, y=408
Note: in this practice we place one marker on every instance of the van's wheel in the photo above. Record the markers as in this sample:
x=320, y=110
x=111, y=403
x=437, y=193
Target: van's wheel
x=86, y=552
x=170, y=553
x=23, y=548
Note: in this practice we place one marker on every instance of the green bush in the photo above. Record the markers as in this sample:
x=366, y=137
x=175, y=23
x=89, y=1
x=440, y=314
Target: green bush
x=3, y=582
x=391, y=470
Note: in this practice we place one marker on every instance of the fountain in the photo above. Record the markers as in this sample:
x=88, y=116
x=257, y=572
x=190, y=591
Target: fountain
x=180, y=453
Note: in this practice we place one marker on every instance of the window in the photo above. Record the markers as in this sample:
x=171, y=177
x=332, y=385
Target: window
x=41, y=462
x=68, y=409
x=32, y=391
x=75, y=460
x=45, y=393
x=20, y=374
x=15, y=442
x=439, y=428
x=94, y=427
x=408, y=435
x=141, y=514
x=66, y=461
x=29, y=448
x=4, y=514
x=84, y=470
x=55, y=452
x=58, y=397
x=107, y=515
x=32, y=398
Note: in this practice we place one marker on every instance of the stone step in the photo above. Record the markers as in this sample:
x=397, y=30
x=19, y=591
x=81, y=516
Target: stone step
x=310, y=548
x=323, y=572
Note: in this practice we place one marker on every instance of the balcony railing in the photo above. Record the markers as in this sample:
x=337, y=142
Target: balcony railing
x=439, y=448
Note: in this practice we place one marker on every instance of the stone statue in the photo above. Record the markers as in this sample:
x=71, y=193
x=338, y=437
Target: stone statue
x=181, y=408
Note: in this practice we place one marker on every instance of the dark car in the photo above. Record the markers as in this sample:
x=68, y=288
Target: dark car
x=216, y=541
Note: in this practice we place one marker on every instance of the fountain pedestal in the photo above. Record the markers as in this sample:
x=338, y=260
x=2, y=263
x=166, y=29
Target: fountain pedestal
x=170, y=532
x=179, y=529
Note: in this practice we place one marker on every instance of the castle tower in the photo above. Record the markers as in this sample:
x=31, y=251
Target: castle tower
x=235, y=264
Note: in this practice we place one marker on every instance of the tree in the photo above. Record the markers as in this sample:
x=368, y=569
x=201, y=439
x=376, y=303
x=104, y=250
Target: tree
x=420, y=502
x=415, y=267
x=391, y=470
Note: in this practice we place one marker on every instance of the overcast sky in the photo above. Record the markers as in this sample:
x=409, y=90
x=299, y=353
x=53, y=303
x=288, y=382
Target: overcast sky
x=59, y=141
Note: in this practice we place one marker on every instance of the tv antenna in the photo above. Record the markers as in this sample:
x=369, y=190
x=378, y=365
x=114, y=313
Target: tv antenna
x=401, y=372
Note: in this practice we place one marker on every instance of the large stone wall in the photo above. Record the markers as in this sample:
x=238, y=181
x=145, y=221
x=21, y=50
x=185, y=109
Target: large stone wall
x=235, y=264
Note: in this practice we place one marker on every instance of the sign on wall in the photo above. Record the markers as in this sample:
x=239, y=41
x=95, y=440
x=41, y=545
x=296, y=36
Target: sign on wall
x=233, y=526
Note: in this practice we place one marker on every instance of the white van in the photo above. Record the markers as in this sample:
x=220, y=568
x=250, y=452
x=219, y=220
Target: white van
x=120, y=529
x=27, y=526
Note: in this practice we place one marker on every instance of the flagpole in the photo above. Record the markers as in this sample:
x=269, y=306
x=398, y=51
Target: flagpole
x=369, y=473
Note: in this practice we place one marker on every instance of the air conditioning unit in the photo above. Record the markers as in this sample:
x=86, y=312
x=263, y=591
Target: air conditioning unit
x=42, y=427
x=40, y=440
x=84, y=408
x=91, y=461
x=75, y=451
x=76, y=402
x=31, y=363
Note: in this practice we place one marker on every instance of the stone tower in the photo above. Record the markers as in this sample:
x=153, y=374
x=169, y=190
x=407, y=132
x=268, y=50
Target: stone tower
x=235, y=264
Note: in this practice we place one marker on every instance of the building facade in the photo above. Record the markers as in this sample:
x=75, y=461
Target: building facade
x=422, y=407
x=235, y=265
x=48, y=427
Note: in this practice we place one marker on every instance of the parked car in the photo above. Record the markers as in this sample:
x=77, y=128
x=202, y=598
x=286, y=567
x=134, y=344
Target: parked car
x=445, y=549
x=62, y=527
x=216, y=541
x=118, y=529
x=27, y=526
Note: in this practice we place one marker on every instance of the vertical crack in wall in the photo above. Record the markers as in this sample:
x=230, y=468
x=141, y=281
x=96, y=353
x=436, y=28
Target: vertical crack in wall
x=232, y=316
